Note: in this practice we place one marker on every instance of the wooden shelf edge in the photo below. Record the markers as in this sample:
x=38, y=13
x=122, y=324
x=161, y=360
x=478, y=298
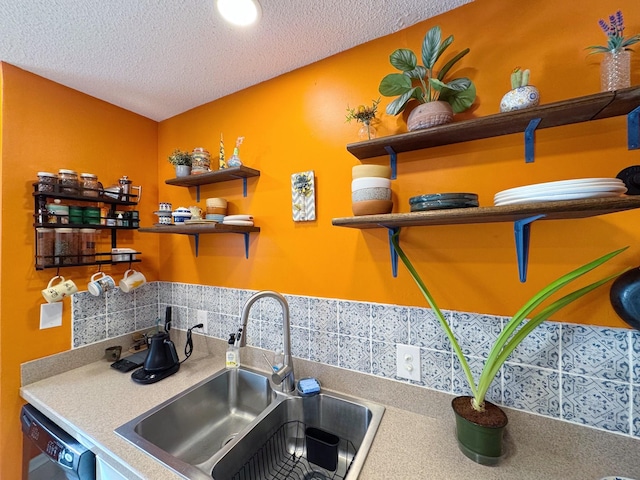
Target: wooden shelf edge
x=224, y=175
x=565, y=209
x=199, y=228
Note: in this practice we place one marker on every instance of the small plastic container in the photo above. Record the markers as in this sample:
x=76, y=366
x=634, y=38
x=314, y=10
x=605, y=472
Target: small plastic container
x=91, y=216
x=66, y=246
x=68, y=180
x=58, y=214
x=47, y=182
x=45, y=242
x=76, y=214
x=87, y=245
x=90, y=187
x=322, y=448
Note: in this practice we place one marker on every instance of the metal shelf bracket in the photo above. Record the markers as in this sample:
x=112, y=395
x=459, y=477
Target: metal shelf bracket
x=394, y=254
x=244, y=187
x=530, y=139
x=393, y=161
x=522, y=230
x=246, y=244
x=197, y=193
x=196, y=237
x=633, y=129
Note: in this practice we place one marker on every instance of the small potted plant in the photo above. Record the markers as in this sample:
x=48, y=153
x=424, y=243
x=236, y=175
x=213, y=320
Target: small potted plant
x=365, y=115
x=438, y=98
x=522, y=95
x=615, y=70
x=480, y=423
x=182, y=161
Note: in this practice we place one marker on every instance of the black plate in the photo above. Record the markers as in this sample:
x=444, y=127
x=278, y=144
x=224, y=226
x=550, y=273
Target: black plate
x=430, y=197
x=442, y=204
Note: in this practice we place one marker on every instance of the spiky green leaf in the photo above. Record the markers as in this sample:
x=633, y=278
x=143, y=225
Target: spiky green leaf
x=447, y=66
x=399, y=103
x=431, y=47
x=417, y=73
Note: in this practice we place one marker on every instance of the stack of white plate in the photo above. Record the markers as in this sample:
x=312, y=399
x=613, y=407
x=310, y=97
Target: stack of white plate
x=576, y=189
x=238, y=220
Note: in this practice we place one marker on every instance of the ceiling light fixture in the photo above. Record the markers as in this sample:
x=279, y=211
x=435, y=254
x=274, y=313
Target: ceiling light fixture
x=239, y=12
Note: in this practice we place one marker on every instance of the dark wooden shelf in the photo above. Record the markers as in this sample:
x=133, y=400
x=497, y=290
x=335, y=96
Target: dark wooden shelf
x=566, y=112
x=565, y=209
x=224, y=175
x=199, y=228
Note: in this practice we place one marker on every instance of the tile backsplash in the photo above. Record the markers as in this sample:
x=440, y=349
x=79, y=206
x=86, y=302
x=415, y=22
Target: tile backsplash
x=576, y=373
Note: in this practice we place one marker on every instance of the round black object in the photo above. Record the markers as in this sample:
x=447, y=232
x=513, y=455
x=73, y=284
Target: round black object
x=631, y=178
x=625, y=297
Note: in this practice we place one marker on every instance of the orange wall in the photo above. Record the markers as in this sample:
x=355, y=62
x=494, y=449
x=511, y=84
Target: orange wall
x=47, y=127
x=296, y=122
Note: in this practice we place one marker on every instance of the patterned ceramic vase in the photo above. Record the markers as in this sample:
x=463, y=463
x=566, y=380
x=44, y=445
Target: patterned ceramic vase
x=519, y=98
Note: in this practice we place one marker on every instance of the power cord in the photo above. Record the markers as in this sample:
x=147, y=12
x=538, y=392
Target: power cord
x=188, y=348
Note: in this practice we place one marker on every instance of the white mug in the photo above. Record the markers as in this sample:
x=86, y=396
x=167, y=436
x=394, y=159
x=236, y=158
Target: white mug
x=55, y=293
x=132, y=279
x=100, y=283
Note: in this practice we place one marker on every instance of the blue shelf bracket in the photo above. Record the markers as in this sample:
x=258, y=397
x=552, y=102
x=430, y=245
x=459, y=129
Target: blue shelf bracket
x=246, y=243
x=244, y=186
x=530, y=140
x=633, y=129
x=196, y=237
x=197, y=193
x=393, y=161
x=394, y=254
x=522, y=230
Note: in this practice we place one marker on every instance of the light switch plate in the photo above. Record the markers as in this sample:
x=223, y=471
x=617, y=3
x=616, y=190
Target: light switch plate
x=50, y=315
x=408, y=362
x=201, y=317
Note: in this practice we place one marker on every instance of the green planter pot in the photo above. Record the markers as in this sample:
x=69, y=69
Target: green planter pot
x=481, y=443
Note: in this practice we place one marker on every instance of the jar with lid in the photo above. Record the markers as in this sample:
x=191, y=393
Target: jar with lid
x=47, y=182
x=45, y=238
x=66, y=246
x=87, y=245
x=68, y=180
x=90, y=186
x=200, y=161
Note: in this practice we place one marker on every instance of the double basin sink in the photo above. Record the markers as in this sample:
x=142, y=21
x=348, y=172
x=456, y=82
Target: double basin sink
x=234, y=425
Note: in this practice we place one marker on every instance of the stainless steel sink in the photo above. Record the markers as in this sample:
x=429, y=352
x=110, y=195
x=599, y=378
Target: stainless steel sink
x=234, y=425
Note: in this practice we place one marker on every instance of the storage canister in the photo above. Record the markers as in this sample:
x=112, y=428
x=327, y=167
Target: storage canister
x=68, y=180
x=200, y=161
x=45, y=238
x=66, y=246
x=58, y=214
x=90, y=187
x=76, y=214
x=47, y=182
x=91, y=216
x=87, y=245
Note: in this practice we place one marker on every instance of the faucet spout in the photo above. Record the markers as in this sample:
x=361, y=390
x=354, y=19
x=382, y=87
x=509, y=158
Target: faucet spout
x=285, y=376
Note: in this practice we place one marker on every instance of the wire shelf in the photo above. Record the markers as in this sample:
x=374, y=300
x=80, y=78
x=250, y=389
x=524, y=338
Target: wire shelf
x=284, y=457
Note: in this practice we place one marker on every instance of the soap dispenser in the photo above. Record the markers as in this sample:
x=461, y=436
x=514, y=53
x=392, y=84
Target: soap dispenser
x=233, y=353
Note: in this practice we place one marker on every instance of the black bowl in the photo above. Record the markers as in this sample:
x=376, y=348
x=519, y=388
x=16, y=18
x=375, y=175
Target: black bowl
x=625, y=297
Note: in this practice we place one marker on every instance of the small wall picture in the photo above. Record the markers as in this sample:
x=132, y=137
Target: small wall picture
x=303, y=196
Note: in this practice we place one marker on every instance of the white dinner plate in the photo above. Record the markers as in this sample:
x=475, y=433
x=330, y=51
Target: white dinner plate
x=564, y=191
x=554, y=198
x=563, y=183
x=238, y=223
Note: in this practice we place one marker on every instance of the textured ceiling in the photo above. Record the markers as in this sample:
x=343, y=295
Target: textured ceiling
x=160, y=58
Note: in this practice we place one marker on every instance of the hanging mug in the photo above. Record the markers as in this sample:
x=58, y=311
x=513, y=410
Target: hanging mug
x=100, y=283
x=132, y=279
x=55, y=293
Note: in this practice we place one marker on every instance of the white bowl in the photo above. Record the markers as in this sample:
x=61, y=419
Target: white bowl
x=370, y=182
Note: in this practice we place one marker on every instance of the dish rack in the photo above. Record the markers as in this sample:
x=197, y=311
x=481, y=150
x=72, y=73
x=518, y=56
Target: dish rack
x=284, y=457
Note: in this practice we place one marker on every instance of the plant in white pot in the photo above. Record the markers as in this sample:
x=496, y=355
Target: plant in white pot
x=426, y=85
x=182, y=161
x=480, y=423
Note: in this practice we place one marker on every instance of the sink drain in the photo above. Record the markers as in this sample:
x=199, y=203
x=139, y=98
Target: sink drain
x=228, y=439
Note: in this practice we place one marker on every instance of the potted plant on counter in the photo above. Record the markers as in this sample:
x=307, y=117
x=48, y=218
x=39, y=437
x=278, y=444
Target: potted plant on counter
x=438, y=98
x=480, y=423
x=182, y=161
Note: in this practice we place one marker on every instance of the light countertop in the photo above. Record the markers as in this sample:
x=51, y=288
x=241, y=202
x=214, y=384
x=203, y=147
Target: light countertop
x=415, y=439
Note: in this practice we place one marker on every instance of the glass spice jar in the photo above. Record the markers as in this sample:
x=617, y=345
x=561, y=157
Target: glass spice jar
x=66, y=246
x=90, y=186
x=200, y=161
x=68, y=180
x=45, y=241
x=47, y=182
x=87, y=245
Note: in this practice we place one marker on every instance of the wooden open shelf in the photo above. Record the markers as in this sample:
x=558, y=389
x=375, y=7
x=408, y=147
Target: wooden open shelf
x=199, y=228
x=224, y=175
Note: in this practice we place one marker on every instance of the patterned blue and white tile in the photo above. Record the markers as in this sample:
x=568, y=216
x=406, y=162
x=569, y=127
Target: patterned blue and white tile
x=323, y=347
x=425, y=330
x=118, y=301
x=298, y=310
x=390, y=323
x=243, y=296
x=229, y=324
x=475, y=333
x=270, y=310
x=300, y=342
x=355, y=353
x=383, y=359
x=271, y=336
x=146, y=316
x=180, y=292
x=461, y=385
x=531, y=389
x=635, y=419
x=147, y=294
x=354, y=319
x=214, y=325
x=194, y=297
x=84, y=305
x=596, y=352
x=597, y=403
x=435, y=369
x=89, y=330
x=179, y=318
x=165, y=293
x=541, y=348
x=211, y=299
x=120, y=323
x=323, y=314
x=230, y=303
x=635, y=356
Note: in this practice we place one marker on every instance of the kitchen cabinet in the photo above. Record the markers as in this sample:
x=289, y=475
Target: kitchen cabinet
x=44, y=221
x=577, y=110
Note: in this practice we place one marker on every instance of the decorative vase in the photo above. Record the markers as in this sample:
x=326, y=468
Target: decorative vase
x=429, y=114
x=615, y=70
x=519, y=98
x=367, y=131
x=183, y=170
x=479, y=433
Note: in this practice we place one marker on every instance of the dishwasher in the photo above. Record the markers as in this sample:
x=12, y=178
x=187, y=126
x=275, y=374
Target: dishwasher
x=50, y=453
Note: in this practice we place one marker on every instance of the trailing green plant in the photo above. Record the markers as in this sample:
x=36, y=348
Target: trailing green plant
x=616, y=42
x=519, y=78
x=517, y=328
x=178, y=157
x=421, y=82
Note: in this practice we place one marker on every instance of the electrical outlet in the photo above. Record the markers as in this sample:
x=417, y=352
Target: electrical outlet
x=201, y=316
x=408, y=362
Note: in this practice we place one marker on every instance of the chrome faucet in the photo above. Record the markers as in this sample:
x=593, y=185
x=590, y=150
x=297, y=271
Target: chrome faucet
x=285, y=376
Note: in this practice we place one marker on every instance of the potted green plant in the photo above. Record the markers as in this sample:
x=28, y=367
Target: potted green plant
x=480, y=423
x=182, y=161
x=427, y=86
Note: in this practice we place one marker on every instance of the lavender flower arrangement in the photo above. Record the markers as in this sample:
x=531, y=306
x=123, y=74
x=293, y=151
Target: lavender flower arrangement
x=616, y=42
